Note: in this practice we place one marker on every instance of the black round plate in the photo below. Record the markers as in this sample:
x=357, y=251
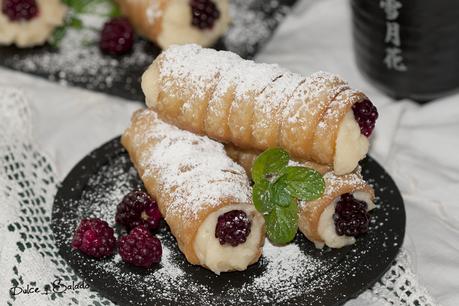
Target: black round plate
x=297, y=274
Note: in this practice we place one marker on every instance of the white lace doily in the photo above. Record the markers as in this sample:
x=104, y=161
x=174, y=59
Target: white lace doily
x=29, y=257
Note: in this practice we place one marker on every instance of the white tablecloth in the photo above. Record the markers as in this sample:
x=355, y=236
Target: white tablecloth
x=418, y=145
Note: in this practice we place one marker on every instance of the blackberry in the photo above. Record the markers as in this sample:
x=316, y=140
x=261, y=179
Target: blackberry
x=137, y=208
x=117, y=36
x=20, y=10
x=204, y=14
x=94, y=237
x=351, y=216
x=366, y=114
x=233, y=228
x=140, y=248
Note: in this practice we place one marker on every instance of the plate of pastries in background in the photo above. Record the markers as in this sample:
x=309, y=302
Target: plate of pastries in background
x=106, y=45
x=239, y=183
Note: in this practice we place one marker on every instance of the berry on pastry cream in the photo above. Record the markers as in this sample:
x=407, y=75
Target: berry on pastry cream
x=351, y=216
x=28, y=23
x=168, y=22
x=366, y=114
x=17, y=10
x=204, y=13
x=233, y=228
x=344, y=219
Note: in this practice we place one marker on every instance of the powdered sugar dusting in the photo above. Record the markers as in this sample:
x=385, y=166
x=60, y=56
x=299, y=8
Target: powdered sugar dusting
x=253, y=78
x=334, y=182
x=250, y=25
x=194, y=66
x=296, y=274
x=194, y=170
x=205, y=71
x=154, y=11
x=287, y=267
x=319, y=86
x=338, y=107
x=197, y=68
x=275, y=98
x=281, y=90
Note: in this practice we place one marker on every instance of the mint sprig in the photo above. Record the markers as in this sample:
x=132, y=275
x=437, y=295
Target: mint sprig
x=269, y=164
x=277, y=189
x=82, y=7
x=91, y=6
x=261, y=195
x=302, y=183
x=282, y=223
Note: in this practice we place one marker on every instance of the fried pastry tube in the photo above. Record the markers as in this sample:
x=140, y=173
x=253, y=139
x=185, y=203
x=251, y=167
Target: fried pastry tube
x=195, y=185
x=316, y=218
x=258, y=106
x=168, y=22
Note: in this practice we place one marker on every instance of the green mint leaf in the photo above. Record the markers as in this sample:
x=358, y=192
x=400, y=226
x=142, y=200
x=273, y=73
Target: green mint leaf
x=78, y=6
x=270, y=162
x=282, y=223
x=303, y=183
x=57, y=36
x=115, y=10
x=280, y=194
x=261, y=197
x=93, y=7
x=75, y=22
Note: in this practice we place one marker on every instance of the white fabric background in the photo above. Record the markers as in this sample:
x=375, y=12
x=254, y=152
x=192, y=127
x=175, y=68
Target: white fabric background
x=418, y=145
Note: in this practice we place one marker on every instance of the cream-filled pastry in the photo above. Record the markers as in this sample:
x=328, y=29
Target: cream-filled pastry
x=339, y=215
x=203, y=195
x=259, y=106
x=28, y=23
x=169, y=22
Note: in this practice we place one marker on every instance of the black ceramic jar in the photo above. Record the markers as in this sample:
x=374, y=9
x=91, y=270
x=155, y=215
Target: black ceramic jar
x=408, y=48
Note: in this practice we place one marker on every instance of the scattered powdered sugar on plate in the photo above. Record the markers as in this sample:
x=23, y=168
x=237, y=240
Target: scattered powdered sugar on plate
x=287, y=267
x=296, y=274
x=106, y=196
x=253, y=22
x=79, y=60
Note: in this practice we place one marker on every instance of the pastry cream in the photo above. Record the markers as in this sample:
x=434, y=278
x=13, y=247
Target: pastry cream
x=222, y=258
x=351, y=145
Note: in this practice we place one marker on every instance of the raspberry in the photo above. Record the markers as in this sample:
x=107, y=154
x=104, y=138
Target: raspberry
x=366, y=114
x=117, y=36
x=94, y=237
x=204, y=13
x=351, y=216
x=18, y=10
x=138, y=209
x=233, y=227
x=140, y=248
